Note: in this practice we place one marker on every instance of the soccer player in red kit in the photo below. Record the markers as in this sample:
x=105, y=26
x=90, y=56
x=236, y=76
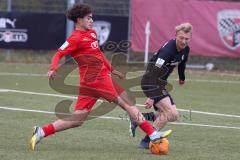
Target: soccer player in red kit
x=95, y=79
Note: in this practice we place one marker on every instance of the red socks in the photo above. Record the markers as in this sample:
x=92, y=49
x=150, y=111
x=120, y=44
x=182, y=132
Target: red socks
x=48, y=129
x=147, y=127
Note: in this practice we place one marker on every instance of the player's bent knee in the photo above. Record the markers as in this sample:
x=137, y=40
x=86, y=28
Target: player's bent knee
x=173, y=116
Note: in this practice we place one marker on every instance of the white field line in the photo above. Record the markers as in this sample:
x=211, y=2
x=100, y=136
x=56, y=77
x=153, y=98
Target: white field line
x=49, y=112
x=23, y=74
x=128, y=77
x=36, y=93
x=206, y=113
x=28, y=74
x=140, y=105
x=117, y=118
x=205, y=125
x=212, y=81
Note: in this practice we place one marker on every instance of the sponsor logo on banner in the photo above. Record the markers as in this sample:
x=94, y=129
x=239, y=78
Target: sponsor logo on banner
x=229, y=28
x=103, y=30
x=9, y=32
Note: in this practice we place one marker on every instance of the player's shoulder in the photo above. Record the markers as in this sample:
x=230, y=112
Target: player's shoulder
x=75, y=36
x=169, y=44
x=93, y=33
x=92, y=30
x=169, y=47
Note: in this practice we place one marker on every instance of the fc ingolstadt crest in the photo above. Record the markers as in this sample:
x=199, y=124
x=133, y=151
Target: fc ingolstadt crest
x=103, y=30
x=229, y=28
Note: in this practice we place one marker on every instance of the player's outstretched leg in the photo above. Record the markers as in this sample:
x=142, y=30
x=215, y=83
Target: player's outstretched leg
x=133, y=125
x=36, y=137
x=137, y=116
x=144, y=143
x=157, y=135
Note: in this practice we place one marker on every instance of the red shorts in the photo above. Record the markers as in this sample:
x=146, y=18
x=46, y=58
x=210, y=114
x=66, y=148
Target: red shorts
x=105, y=88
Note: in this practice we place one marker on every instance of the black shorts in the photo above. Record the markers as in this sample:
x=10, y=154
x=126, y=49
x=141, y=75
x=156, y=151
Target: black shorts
x=157, y=99
x=155, y=91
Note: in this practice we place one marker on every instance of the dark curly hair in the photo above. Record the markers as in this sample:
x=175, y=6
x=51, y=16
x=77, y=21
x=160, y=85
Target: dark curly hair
x=78, y=10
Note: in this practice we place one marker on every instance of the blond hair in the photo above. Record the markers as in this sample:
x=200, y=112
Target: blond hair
x=185, y=27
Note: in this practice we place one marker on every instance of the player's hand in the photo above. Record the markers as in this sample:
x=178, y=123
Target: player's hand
x=181, y=82
x=51, y=74
x=119, y=74
x=149, y=103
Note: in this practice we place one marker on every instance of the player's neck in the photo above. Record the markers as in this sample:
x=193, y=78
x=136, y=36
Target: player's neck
x=80, y=28
x=178, y=49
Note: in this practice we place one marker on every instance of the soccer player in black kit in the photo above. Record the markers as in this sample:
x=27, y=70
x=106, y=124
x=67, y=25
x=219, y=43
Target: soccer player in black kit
x=154, y=81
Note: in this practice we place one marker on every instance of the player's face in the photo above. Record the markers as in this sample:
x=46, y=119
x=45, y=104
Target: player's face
x=86, y=22
x=182, y=39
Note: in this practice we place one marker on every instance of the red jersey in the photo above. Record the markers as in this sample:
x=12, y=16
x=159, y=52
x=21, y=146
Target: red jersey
x=84, y=48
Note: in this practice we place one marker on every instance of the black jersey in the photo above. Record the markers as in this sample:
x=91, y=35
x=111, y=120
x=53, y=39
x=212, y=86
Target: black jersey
x=166, y=59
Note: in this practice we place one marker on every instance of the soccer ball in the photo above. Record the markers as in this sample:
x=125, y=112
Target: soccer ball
x=160, y=148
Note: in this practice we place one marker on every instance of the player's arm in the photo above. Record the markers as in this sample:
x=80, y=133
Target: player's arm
x=111, y=69
x=68, y=47
x=117, y=73
x=149, y=103
x=160, y=69
x=181, y=70
x=163, y=55
x=106, y=63
x=109, y=66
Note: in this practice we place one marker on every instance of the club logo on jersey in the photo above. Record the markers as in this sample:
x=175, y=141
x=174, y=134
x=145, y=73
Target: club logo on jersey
x=94, y=45
x=159, y=62
x=9, y=33
x=103, y=30
x=229, y=28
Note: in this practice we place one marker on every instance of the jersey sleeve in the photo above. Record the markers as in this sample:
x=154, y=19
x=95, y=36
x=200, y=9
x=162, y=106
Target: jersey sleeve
x=182, y=67
x=68, y=47
x=159, y=61
x=164, y=55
